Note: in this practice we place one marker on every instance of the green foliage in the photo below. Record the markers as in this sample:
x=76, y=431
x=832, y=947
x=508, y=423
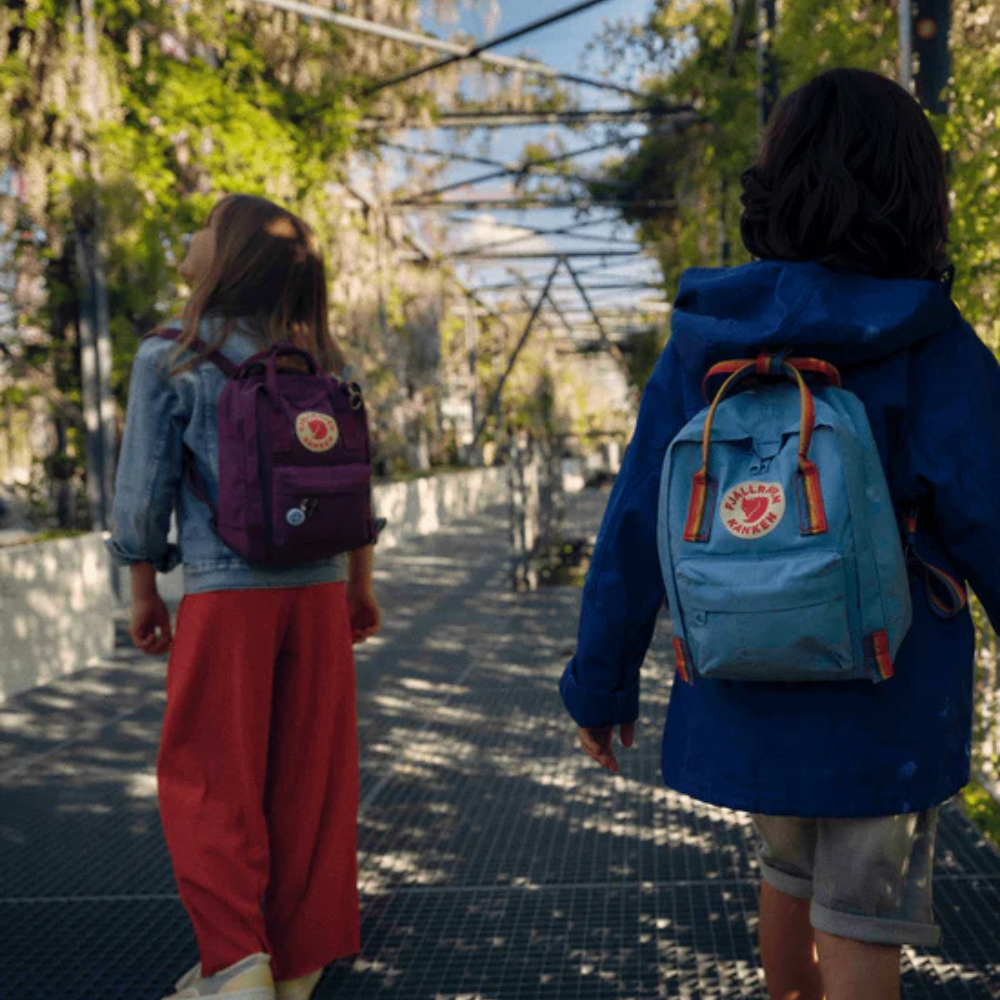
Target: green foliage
x=971, y=138
x=196, y=100
x=698, y=170
x=684, y=175
x=53, y=535
x=983, y=810
x=644, y=351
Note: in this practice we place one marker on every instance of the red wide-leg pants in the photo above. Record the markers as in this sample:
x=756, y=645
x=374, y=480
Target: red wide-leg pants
x=258, y=776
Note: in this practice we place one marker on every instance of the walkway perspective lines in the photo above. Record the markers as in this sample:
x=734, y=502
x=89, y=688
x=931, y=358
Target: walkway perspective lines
x=497, y=862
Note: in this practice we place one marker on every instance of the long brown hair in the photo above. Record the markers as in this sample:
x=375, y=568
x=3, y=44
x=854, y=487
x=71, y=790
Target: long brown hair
x=268, y=271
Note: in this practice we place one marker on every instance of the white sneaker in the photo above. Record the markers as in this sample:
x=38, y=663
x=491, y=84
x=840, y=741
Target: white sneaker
x=248, y=979
x=189, y=978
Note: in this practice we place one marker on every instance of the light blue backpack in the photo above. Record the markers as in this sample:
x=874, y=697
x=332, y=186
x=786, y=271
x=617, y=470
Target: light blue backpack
x=781, y=551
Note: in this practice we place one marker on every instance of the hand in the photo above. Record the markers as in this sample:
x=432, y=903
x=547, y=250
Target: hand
x=596, y=743
x=366, y=616
x=150, y=625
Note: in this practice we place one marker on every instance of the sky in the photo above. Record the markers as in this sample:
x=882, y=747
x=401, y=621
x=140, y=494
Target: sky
x=564, y=46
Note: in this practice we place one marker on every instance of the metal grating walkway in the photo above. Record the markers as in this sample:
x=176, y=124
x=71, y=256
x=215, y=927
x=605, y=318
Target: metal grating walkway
x=495, y=861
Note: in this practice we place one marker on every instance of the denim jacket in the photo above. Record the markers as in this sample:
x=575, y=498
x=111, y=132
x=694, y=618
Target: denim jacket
x=166, y=412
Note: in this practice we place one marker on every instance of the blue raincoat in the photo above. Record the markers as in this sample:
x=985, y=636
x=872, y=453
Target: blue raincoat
x=932, y=391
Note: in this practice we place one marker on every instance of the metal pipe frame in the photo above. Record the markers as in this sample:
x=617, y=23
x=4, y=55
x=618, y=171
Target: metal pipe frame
x=624, y=287
x=612, y=349
x=505, y=169
x=419, y=40
x=422, y=197
x=498, y=391
x=549, y=254
x=550, y=231
x=685, y=114
x=523, y=204
x=480, y=50
x=609, y=271
x=534, y=234
x=523, y=283
x=424, y=254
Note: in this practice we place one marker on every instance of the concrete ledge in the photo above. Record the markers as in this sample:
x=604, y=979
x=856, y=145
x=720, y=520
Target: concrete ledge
x=56, y=599
x=421, y=506
x=56, y=610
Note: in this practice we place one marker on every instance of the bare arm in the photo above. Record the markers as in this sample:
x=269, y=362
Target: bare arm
x=362, y=562
x=366, y=616
x=150, y=624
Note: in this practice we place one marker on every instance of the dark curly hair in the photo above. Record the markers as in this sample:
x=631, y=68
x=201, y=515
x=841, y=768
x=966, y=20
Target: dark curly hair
x=851, y=175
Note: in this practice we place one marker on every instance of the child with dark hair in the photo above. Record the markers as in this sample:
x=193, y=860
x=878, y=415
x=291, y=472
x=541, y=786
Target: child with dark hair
x=847, y=213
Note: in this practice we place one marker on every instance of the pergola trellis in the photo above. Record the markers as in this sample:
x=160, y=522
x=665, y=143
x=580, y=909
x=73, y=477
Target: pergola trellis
x=541, y=294
x=585, y=282
x=923, y=33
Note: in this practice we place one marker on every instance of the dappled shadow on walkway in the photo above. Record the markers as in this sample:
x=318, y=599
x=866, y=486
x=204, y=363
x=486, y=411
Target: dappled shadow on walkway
x=496, y=861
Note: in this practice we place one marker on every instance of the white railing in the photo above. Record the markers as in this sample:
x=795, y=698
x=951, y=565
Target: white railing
x=57, y=603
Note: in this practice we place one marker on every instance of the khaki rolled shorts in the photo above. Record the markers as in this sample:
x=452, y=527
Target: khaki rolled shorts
x=869, y=878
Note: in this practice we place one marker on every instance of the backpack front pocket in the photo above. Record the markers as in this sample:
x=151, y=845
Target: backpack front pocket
x=320, y=512
x=781, y=617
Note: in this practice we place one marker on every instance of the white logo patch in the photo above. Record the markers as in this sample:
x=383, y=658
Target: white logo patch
x=753, y=509
x=316, y=431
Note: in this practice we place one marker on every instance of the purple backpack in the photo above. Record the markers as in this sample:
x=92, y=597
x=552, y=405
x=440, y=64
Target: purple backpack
x=294, y=460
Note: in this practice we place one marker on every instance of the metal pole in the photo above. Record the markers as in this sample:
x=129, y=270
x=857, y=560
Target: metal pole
x=503, y=169
x=507, y=286
x=767, y=73
x=498, y=392
x=611, y=348
x=906, y=44
x=471, y=331
x=493, y=43
x=931, y=43
x=545, y=254
x=425, y=254
x=95, y=337
x=430, y=42
x=523, y=204
x=529, y=170
x=679, y=115
x=739, y=16
x=533, y=234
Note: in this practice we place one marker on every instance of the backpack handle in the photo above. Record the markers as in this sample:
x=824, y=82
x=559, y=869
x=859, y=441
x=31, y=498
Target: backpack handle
x=770, y=364
x=285, y=350
x=812, y=510
x=269, y=359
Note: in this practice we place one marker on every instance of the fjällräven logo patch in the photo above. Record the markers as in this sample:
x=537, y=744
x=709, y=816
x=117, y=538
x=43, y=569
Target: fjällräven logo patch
x=753, y=509
x=316, y=431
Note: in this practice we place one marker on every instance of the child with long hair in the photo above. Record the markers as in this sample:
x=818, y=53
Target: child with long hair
x=258, y=766
x=846, y=211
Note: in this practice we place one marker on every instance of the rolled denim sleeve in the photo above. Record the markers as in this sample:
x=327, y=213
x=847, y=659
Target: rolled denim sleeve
x=150, y=465
x=624, y=590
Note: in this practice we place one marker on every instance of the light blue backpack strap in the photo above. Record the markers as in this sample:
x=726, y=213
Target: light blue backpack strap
x=665, y=543
x=884, y=599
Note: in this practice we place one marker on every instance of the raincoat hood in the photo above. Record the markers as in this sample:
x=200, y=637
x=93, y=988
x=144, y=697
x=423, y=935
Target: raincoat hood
x=844, y=318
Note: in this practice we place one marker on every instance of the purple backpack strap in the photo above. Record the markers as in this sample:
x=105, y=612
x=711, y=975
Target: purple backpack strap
x=194, y=477
x=199, y=347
